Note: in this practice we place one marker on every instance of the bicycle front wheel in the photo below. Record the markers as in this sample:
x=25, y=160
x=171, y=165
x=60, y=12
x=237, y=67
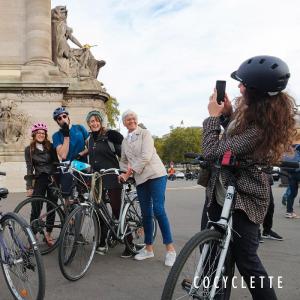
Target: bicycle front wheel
x=193, y=273
x=44, y=217
x=78, y=242
x=21, y=260
x=133, y=227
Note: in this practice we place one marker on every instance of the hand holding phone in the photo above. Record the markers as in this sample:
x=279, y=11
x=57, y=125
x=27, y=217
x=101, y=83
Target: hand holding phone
x=220, y=87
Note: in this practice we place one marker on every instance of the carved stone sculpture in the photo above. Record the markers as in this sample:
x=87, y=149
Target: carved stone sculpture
x=73, y=62
x=13, y=123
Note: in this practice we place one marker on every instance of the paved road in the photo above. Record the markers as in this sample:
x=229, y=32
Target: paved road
x=111, y=277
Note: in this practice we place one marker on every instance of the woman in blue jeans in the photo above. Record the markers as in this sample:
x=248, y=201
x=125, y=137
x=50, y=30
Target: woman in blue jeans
x=139, y=158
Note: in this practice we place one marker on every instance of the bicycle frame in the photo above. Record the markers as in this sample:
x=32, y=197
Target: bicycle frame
x=16, y=240
x=101, y=209
x=224, y=224
x=110, y=222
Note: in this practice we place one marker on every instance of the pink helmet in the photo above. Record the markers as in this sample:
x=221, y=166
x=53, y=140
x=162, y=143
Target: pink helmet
x=38, y=126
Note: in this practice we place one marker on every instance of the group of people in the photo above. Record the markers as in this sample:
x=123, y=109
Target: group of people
x=260, y=129
x=103, y=148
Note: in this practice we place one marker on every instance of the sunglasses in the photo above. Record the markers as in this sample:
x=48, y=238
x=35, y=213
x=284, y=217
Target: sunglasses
x=62, y=117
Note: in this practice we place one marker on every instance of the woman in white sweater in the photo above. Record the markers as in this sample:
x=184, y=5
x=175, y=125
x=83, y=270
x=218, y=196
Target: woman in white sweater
x=139, y=158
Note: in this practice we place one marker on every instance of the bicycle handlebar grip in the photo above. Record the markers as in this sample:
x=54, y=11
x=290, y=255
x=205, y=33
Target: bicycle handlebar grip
x=3, y=173
x=289, y=164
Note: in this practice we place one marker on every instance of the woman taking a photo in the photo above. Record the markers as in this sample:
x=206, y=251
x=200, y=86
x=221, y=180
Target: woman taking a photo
x=139, y=158
x=260, y=130
x=40, y=156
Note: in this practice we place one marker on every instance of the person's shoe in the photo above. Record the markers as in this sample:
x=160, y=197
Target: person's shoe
x=49, y=240
x=292, y=216
x=272, y=235
x=260, y=239
x=102, y=250
x=144, y=254
x=126, y=253
x=170, y=258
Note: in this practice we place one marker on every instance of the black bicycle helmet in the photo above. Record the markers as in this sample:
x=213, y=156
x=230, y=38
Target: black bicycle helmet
x=263, y=73
x=58, y=111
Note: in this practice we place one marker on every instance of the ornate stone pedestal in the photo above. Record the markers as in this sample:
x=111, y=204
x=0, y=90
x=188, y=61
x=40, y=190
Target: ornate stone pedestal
x=34, y=58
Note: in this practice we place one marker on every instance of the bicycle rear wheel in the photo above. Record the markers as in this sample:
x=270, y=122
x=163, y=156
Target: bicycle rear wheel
x=21, y=260
x=79, y=238
x=184, y=282
x=43, y=216
x=133, y=226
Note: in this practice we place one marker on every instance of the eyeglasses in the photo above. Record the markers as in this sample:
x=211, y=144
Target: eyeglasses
x=62, y=117
x=41, y=133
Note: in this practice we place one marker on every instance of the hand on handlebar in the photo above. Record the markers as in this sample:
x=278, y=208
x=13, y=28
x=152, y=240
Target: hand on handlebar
x=123, y=177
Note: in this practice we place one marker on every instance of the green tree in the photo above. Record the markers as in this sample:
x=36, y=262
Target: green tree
x=159, y=146
x=112, y=111
x=180, y=141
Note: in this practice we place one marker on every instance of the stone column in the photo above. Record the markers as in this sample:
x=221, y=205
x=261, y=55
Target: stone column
x=38, y=32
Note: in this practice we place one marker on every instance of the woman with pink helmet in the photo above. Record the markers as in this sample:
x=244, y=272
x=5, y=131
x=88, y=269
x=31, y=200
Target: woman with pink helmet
x=40, y=156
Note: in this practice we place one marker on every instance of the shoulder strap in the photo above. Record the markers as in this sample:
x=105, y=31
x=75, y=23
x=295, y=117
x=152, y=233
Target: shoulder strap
x=88, y=147
x=111, y=146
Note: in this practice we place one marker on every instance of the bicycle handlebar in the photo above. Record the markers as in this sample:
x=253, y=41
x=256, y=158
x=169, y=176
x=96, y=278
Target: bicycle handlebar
x=199, y=159
x=289, y=165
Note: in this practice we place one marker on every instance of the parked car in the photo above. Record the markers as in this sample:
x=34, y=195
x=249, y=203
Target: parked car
x=179, y=175
x=276, y=176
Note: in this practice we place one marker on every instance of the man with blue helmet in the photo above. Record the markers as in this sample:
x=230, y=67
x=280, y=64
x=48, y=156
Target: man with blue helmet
x=69, y=142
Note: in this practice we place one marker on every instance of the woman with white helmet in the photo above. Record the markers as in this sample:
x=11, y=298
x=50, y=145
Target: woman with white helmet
x=40, y=156
x=104, y=148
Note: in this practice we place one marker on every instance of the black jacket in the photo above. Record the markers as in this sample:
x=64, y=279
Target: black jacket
x=102, y=156
x=39, y=162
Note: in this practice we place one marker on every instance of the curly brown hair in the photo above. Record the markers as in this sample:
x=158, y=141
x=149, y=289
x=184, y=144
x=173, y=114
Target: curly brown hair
x=46, y=143
x=274, y=116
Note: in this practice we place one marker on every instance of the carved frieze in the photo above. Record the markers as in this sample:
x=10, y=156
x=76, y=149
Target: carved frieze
x=13, y=122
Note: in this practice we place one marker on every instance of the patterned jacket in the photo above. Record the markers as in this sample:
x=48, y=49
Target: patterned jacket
x=252, y=186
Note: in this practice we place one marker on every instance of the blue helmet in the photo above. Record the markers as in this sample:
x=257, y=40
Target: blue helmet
x=59, y=111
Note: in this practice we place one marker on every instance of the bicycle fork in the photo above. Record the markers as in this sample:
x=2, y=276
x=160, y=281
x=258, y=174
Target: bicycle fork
x=225, y=246
x=223, y=225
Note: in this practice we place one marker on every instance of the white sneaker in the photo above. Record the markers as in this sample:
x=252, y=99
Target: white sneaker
x=102, y=250
x=144, y=254
x=170, y=258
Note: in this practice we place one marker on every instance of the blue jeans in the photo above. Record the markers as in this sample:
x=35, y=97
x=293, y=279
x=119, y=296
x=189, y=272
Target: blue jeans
x=151, y=195
x=293, y=191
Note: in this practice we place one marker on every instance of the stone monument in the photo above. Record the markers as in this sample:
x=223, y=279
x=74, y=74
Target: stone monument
x=42, y=66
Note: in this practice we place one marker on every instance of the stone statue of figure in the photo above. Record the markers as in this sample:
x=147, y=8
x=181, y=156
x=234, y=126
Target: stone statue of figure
x=73, y=62
x=12, y=123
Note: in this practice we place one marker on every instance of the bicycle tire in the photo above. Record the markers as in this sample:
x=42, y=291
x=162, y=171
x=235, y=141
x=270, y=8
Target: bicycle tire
x=27, y=259
x=73, y=242
x=39, y=226
x=134, y=221
x=184, y=286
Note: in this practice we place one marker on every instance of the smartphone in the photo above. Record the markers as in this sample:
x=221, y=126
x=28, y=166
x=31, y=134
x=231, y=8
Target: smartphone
x=220, y=87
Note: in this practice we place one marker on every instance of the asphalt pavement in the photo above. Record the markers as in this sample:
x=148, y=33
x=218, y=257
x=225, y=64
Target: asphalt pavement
x=111, y=277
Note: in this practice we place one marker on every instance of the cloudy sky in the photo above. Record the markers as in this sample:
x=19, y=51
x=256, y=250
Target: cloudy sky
x=164, y=56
